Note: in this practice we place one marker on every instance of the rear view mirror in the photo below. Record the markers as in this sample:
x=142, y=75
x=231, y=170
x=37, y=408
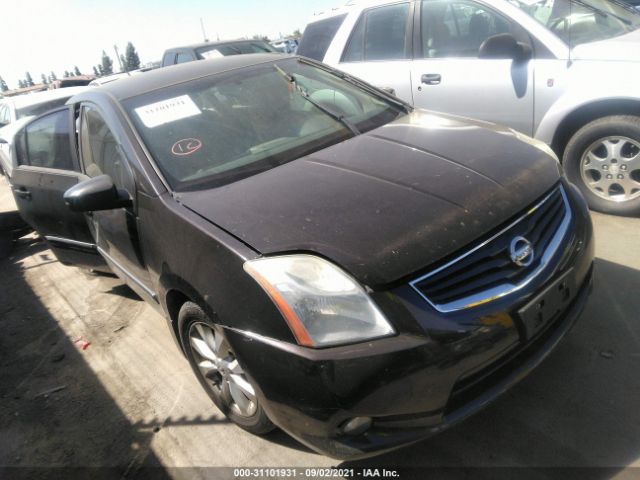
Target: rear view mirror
x=504, y=46
x=98, y=193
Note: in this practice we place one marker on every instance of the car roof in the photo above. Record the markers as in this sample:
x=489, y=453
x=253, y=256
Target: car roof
x=213, y=44
x=29, y=99
x=183, y=72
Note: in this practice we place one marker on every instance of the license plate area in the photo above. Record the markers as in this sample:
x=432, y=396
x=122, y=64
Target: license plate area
x=552, y=301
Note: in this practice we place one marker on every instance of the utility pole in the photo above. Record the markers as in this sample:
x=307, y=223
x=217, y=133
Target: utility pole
x=122, y=67
x=204, y=34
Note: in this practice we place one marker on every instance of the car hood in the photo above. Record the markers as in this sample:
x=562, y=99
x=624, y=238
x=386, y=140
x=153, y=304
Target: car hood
x=623, y=48
x=387, y=203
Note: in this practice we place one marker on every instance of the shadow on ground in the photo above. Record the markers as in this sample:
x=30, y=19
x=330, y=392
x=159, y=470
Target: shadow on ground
x=579, y=409
x=576, y=416
x=54, y=413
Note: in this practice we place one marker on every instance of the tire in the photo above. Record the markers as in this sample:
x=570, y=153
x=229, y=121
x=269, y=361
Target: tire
x=224, y=381
x=6, y=244
x=603, y=160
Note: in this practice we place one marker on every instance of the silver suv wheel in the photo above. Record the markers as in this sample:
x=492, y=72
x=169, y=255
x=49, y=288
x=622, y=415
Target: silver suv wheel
x=610, y=167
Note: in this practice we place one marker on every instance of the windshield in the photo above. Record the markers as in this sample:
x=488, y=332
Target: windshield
x=582, y=21
x=224, y=50
x=218, y=129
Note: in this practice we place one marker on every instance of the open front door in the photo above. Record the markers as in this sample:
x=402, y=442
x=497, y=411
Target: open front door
x=47, y=167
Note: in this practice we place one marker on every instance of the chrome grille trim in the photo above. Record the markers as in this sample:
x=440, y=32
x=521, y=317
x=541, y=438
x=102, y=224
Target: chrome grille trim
x=506, y=288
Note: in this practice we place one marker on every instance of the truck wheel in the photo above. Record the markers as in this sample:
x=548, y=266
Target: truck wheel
x=218, y=370
x=603, y=160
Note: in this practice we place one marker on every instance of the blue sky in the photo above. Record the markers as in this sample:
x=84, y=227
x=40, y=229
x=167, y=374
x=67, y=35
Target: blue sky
x=44, y=35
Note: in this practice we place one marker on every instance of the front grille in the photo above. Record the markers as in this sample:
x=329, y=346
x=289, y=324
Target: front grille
x=487, y=271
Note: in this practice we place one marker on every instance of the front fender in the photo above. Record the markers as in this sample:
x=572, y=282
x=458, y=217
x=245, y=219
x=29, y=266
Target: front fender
x=612, y=91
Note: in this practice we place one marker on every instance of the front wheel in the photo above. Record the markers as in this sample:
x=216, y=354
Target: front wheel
x=603, y=160
x=219, y=371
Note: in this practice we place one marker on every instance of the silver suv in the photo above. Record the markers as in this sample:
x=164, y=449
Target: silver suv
x=566, y=72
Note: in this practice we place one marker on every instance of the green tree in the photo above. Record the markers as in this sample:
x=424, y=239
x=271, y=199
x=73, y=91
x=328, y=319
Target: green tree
x=100, y=70
x=44, y=79
x=107, y=64
x=123, y=62
x=3, y=85
x=261, y=37
x=28, y=81
x=76, y=71
x=53, y=77
x=95, y=71
x=296, y=33
x=132, y=60
x=21, y=84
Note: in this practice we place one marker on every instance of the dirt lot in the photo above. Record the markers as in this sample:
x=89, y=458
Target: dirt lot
x=128, y=400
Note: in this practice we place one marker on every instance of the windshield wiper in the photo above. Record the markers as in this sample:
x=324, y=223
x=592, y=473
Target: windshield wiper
x=304, y=94
x=602, y=13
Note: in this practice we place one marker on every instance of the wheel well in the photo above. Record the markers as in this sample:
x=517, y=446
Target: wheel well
x=175, y=299
x=587, y=113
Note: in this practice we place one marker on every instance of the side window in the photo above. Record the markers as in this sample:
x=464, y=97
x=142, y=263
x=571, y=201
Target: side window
x=101, y=153
x=168, y=59
x=47, y=142
x=457, y=28
x=380, y=34
x=318, y=36
x=184, y=58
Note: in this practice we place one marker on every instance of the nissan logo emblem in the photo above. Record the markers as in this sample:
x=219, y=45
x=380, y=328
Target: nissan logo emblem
x=521, y=251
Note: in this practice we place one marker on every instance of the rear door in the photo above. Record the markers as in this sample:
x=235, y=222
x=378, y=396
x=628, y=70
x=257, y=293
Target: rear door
x=380, y=47
x=47, y=167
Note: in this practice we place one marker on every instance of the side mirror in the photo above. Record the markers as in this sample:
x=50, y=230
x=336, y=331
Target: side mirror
x=98, y=193
x=505, y=46
x=2, y=140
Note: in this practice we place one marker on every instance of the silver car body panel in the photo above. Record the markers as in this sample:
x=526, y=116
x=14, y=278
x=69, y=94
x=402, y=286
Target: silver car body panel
x=555, y=87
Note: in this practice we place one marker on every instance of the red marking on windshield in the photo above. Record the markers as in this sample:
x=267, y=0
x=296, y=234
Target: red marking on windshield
x=186, y=146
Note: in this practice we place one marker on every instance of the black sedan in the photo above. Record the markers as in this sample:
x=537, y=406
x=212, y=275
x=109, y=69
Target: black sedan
x=331, y=261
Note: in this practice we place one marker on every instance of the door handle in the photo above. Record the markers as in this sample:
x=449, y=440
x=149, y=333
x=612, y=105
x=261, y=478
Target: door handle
x=22, y=193
x=431, y=78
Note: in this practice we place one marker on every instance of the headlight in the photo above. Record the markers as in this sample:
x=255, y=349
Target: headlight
x=321, y=303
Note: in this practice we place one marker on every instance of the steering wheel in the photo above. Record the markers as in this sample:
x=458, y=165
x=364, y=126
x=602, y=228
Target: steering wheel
x=337, y=102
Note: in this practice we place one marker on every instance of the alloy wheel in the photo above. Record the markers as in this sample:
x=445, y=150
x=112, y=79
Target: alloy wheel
x=221, y=370
x=610, y=168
